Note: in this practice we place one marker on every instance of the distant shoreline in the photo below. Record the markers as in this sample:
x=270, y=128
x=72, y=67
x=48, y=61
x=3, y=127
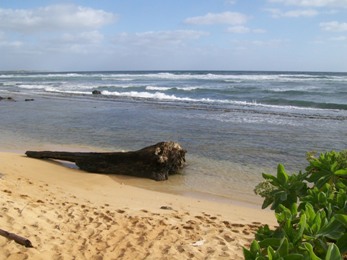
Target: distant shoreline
x=177, y=70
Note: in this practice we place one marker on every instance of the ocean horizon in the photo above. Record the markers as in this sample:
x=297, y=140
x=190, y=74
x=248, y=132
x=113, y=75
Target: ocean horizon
x=235, y=125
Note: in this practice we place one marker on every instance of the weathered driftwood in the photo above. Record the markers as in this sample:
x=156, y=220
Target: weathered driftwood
x=18, y=239
x=154, y=162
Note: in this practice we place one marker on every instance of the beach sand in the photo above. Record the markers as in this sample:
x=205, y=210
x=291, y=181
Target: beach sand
x=70, y=214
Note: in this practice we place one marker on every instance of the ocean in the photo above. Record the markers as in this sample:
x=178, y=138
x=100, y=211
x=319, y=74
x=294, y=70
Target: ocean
x=235, y=125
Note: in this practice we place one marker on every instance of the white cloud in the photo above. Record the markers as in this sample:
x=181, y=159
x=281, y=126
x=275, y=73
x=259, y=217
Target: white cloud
x=4, y=42
x=92, y=37
x=159, y=49
x=259, y=31
x=313, y=3
x=218, y=18
x=53, y=18
x=11, y=44
x=159, y=38
x=339, y=38
x=334, y=26
x=53, y=29
x=270, y=43
x=243, y=29
x=276, y=13
x=247, y=44
x=239, y=29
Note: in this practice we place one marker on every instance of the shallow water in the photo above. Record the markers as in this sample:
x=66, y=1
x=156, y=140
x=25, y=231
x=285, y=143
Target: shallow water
x=229, y=145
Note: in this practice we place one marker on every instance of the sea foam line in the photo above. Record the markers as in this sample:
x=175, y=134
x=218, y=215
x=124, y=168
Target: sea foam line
x=232, y=76
x=163, y=97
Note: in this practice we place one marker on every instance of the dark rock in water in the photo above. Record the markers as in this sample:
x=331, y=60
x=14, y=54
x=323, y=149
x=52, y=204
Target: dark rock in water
x=96, y=92
x=7, y=98
x=156, y=162
x=29, y=99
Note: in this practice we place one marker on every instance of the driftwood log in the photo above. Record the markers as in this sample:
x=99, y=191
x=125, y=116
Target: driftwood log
x=155, y=162
x=18, y=239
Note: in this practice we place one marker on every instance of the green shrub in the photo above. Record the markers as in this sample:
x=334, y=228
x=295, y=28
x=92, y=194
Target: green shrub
x=311, y=211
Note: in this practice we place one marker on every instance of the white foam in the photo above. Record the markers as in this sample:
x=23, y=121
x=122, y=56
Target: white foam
x=55, y=90
x=165, y=97
x=148, y=95
x=189, y=88
x=63, y=75
x=284, y=77
x=157, y=88
x=252, y=119
x=172, y=88
x=297, y=88
x=26, y=86
x=9, y=83
x=112, y=78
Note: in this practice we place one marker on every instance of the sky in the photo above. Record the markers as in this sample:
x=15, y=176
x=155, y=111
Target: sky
x=91, y=35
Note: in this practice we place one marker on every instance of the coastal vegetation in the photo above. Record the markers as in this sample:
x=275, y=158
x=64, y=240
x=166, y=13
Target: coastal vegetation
x=310, y=208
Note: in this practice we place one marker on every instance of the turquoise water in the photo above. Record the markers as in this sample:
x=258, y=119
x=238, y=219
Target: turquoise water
x=234, y=125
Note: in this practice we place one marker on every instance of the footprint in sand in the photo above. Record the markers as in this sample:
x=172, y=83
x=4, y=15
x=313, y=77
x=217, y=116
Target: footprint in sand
x=246, y=232
x=237, y=225
x=229, y=238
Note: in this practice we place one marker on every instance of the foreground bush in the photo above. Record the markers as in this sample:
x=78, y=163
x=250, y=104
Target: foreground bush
x=311, y=211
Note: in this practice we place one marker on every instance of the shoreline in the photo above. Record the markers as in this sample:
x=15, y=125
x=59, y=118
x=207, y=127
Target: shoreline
x=111, y=219
x=170, y=186
x=225, y=157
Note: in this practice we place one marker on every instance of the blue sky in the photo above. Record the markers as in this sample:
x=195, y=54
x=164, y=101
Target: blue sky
x=293, y=35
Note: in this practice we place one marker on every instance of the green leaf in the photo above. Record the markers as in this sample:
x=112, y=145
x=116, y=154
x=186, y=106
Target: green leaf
x=247, y=254
x=309, y=249
x=293, y=257
x=302, y=225
x=282, y=176
x=275, y=204
x=322, y=198
x=342, y=244
x=284, y=247
x=267, y=202
x=333, y=253
x=255, y=248
x=271, y=253
x=270, y=178
x=283, y=195
x=310, y=213
x=341, y=184
x=331, y=230
x=273, y=242
x=342, y=218
x=341, y=199
x=317, y=223
x=315, y=177
x=334, y=166
x=323, y=180
x=342, y=172
x=294, y=209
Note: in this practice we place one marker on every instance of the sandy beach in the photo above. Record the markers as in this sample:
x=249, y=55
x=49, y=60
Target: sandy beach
x=70, y=214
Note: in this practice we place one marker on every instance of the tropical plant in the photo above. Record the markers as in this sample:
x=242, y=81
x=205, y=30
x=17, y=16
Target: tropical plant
x=311, y=211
